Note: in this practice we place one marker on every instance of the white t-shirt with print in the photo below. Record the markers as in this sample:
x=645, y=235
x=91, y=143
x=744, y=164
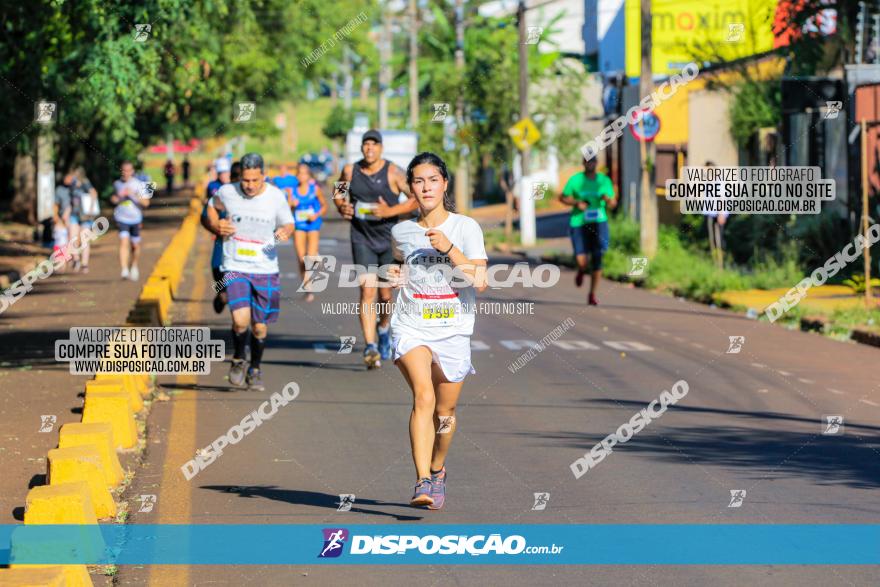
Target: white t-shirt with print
x=252, y=249
x=428, y=306
x=126, y=211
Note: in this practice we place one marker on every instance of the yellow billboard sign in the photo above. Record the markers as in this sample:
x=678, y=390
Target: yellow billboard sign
x=698, y=30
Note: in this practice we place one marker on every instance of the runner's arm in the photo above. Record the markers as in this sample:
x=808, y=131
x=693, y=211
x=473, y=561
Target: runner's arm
x=342, y=205
x=320, y=194
x=211, y=219
x=472, y=260
x=284, y=221
x=397, y=182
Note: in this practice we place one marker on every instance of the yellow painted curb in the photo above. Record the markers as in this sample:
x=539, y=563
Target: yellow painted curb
x=100, y=435
x=62, y=503
x=158, y=294
x=46, y=576
x=83, y=463
x=140, y=381
x=112, y=408
x=118, y=384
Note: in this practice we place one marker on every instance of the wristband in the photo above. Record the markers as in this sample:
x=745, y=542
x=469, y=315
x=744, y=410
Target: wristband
x=451, y=246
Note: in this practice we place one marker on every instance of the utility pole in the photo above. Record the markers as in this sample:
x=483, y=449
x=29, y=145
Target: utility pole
x=384, y=68
x=413, y=65
x=462, y=182
x=526, y=202
x=346, y=80
x=648, y=199
x=860, y=33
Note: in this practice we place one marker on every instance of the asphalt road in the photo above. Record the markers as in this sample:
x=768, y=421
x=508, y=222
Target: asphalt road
x=752, y=421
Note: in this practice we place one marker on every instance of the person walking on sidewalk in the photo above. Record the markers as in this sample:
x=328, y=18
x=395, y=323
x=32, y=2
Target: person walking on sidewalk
x=85, y=208
x=257, y=217
x=444, y=259
x=372, y=207
x=131, y=196
x=185, y=167
x=589, y=193
x=169, y=171
x=309, y=207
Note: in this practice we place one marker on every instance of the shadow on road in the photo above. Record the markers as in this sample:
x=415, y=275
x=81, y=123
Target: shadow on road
x=849, y=458
x=311, y=498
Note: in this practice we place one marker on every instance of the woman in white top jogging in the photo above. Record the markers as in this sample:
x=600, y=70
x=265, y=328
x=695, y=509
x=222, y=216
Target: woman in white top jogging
x=444, y=265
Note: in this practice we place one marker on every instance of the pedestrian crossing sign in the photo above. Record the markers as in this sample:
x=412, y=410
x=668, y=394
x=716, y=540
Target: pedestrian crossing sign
x=524, y=134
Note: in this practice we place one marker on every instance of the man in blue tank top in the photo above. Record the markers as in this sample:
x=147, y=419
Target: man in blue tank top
x=372, y=207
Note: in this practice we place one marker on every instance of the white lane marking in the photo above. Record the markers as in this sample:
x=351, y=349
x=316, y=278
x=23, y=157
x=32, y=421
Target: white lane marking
x=696, y=344
x=784, y=373
x=575, y=345
x=870, y=403
x=836, y=391
x=479, y=345
x=627, y=345
x=759, y=365
x=679, y=339
x=802, y=380
x=516, y=345
x=762, y=391
x=662, y=333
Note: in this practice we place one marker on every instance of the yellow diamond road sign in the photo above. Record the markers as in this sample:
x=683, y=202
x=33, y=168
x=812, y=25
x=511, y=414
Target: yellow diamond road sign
x=524, y=134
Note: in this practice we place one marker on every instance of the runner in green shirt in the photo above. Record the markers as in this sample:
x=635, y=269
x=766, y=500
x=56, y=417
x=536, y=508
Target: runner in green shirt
x=589, y=194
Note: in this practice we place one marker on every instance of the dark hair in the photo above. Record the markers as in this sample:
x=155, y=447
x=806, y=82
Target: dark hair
x=253, y=161
x=428, y=158
x=235, y=171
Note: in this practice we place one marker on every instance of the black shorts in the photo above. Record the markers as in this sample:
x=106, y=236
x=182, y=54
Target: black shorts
x=372, y=260
x=132, y=231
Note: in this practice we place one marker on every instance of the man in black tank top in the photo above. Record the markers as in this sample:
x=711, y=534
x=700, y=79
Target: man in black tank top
x=371, y=205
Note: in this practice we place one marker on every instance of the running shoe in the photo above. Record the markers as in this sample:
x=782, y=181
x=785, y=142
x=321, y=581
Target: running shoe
x=134, y=275
x=422, y=495
x=372, y=358
x=219, y=304
x=593, y=301
x=385, y=345
x=237, y=373
x=255, y=380
x=124, y=274
x=579, y=278
x=438, y=489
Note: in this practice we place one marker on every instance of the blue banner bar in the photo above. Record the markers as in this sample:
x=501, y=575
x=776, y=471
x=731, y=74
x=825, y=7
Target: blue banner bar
x=482, y=544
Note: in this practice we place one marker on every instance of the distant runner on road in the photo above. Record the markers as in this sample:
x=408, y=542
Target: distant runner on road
x=131, y=196
x=433, y=318
x=309, y=207
x=589, y=193
x=373, y=208
x=257, y=217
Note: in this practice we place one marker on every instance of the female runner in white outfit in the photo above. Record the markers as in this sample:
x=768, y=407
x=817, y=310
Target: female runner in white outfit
x=444, y=265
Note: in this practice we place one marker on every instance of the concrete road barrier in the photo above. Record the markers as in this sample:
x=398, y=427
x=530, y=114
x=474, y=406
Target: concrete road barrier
x=114, y=408
x=83, y=463
x=118, y=384
x=99, y=435
x=46, y=576
x=62, y=503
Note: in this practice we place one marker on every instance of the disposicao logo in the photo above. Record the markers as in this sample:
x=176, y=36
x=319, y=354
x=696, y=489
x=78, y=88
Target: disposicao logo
x=334, y=541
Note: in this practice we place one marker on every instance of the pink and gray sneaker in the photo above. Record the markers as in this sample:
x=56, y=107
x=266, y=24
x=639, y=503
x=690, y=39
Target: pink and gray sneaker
x=438, y=489
x=422, y=496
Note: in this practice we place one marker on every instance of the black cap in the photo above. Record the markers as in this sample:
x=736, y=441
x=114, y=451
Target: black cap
x=372, y=135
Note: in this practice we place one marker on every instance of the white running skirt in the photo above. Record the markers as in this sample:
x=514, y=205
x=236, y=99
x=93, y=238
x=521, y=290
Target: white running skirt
x=453, y=353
